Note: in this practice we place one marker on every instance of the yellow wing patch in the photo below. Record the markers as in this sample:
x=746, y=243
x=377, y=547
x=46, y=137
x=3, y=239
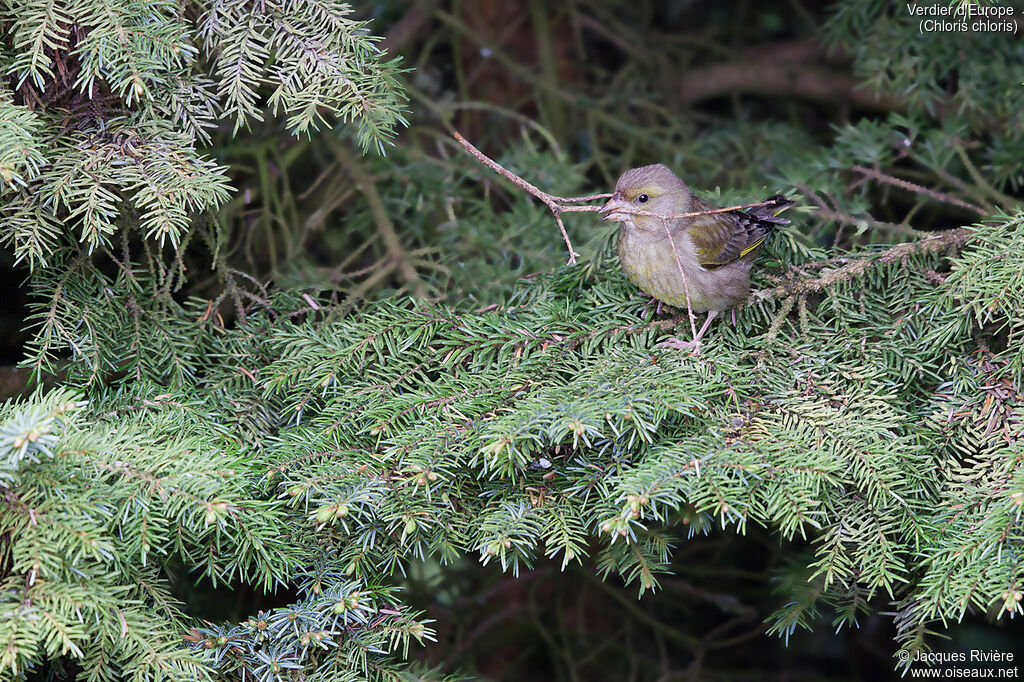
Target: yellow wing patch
x=753, y=246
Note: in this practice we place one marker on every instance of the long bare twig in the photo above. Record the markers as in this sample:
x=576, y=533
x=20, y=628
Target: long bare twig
x=686, y=284
x=559, y=205
x=694, y=214
x=556, y=204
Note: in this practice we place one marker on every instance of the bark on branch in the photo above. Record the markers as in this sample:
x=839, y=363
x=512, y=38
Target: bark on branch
x=784, y=79
x=855, y=266
x=797, y=69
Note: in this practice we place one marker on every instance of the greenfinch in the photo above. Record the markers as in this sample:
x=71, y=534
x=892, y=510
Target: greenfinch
x=701, y=261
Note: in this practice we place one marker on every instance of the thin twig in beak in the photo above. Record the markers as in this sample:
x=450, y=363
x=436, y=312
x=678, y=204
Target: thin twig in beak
x=615, y=209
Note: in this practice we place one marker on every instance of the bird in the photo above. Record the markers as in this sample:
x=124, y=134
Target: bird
x=701, y=262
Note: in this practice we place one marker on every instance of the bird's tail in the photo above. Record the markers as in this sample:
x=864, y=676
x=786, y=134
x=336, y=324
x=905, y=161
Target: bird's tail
x=769, y=213
x=760, y=221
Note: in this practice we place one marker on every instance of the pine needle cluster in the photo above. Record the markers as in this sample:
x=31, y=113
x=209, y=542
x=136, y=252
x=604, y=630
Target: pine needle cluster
x=104, y=105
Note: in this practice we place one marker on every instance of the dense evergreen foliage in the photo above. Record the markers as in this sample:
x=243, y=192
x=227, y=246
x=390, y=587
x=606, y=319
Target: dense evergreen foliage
x=286, y=368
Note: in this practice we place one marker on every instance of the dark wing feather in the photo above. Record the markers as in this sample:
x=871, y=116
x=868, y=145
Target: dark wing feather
x=722, y=238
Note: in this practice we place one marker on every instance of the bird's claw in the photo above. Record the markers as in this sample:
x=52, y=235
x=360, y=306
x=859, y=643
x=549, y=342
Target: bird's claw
x=651, y=301
x=679, y=344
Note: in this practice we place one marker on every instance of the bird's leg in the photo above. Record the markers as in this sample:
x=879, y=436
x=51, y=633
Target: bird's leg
x=712, y=314
x=694, y=345
x=657, y=309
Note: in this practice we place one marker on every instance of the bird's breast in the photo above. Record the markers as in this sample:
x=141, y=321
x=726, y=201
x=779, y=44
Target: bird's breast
x=649, y=261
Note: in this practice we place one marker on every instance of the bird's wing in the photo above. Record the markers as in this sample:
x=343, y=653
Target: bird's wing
x=721, y=238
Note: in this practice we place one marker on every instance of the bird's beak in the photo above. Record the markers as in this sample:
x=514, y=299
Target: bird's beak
x=610, y=211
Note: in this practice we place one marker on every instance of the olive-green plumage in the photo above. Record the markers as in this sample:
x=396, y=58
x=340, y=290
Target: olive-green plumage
x=715, y=252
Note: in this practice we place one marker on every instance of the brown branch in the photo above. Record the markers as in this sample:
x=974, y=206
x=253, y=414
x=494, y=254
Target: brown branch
x=385, y=227
x=797, y=69
x=950, y=239
x=917, y=189
x=694, y=214
x=555, y=204
x=781, y=79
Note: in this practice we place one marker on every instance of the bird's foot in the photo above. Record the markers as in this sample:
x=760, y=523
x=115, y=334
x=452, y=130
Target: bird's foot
x=679, y=344
x=651, y=301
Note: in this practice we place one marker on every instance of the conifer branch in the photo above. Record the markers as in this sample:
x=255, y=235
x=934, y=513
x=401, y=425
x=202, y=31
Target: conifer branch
x=396, y=253
x=855, y=266
x=530, y=417
x=876, y=174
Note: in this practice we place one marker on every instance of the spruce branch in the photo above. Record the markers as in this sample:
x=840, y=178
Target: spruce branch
x=878, y=175
x=852, y=267
x=545, y=423
x=778, y=77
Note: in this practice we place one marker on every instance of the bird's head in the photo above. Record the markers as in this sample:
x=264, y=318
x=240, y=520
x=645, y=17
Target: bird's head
x=654, y=189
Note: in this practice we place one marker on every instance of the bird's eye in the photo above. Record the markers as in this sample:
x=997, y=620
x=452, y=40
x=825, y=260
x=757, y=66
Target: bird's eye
x=643, y=198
